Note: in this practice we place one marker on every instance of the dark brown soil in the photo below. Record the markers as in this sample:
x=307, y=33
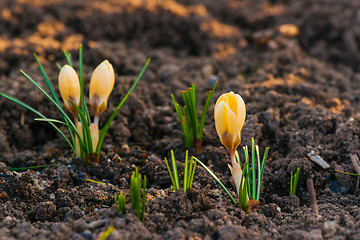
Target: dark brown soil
x=301, y=92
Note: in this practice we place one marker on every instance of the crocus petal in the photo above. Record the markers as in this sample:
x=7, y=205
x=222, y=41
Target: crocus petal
x=69, y=87
x=101, y=85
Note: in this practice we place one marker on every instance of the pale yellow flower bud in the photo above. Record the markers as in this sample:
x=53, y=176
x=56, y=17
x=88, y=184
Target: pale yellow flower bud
x=101, y=84
x=94, y=132
x=230, y=113
x=77, y=143
x=69, y=86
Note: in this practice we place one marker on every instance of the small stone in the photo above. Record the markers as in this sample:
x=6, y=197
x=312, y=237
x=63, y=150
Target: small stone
x=97, y=224
x=125, y=147
x=74, y=214
x=2, y=167
x=289, y=30
x=45, y=211
x=168, y=70
x=8, y=222
x=52, y=196
x=329, y=229
x=213, y=79
x=207, y=70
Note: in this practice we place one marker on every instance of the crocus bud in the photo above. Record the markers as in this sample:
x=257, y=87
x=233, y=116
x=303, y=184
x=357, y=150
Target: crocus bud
x=77, y=143
x=94, y=132
x=69, y=86
x=101, y=84
x=230, y=113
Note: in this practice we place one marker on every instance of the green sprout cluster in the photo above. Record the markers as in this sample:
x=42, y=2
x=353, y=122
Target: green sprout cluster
x=294, y=181
x=120, y=203
x=137, y=196
x=189, y=172
x=189, y=121
x=88, y=154
x=256, y=171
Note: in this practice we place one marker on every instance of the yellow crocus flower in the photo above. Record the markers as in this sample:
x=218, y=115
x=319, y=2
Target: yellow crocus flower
x=101, y=84
x=230, y=113
x=69, y=86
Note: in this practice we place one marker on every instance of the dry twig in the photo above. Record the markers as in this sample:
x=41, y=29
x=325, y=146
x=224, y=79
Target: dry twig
x=355, y=162
x=312, y=196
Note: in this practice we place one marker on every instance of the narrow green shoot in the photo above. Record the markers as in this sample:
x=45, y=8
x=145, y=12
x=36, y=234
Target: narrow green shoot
x=347, y=173
x=256, y=170
x=119, y=201
x=294, y=181
x=138, y=197
x=189, y=172
x=33, y=167
x=107, y=233
x=191, y=127
x=243, y=194
x=97, y=182
x=216, y=179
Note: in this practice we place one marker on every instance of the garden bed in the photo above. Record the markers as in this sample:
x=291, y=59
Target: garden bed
x=301, y=93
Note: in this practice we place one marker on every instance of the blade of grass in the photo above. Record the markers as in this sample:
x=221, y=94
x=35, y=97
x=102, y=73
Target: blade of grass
x=264, y=161
x=58, y=65
x=259, y=173
x=47, y=80
x=216, y=179
x=49, y=120
x=205, y=109
x=243, y=199
x=94, y=181
x=186, y=172
x=237, y=157
x=347, y=173
x=174, y=169
x=192, y=172
x=81, y=79
x=50, y=98
x=107, y=233
x=112, y=116
x=194, y=108
x=135, y=191
x=180, y=117
x=253, y=179
x=68, y=57
x=170, y=173
x=32, y=167
x=246, y=157
x=86, y=129
x=192, y=112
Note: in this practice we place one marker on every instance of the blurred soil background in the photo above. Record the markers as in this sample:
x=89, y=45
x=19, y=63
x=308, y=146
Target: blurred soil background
x=295, y=63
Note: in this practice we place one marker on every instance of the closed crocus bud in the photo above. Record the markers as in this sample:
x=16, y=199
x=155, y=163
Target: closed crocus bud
x=101, y=84
x=77, y=143
x=230, y=113
x=94, y=132
x=69, y=86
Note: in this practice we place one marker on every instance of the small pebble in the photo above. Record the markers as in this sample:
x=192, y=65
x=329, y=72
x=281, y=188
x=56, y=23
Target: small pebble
x=52, y=196
x=97, y=224
x=213, y=80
